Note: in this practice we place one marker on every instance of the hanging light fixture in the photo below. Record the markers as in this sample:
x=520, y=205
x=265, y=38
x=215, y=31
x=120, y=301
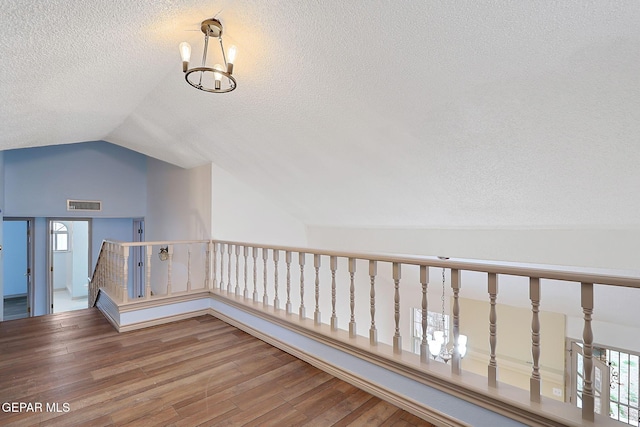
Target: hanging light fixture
x=438, y=346
x=216, y=79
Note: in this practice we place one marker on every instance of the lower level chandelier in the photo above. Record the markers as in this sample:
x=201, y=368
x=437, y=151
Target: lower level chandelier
x=438, y=346
x=216, y=79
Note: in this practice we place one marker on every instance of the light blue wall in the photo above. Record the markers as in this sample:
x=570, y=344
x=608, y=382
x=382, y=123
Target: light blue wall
x=39, y=240
x=14, y=251
x=109, y=229
x=1, y=227
x=38, y=181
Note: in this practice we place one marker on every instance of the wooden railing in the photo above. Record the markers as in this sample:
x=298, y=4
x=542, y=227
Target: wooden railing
x=364, y=294
x=157, y=277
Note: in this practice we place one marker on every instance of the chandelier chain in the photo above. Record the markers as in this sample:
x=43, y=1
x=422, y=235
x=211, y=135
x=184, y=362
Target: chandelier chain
x=443, y=328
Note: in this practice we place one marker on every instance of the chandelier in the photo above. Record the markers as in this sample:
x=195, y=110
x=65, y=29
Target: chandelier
x=216, y=79
x=440, y=346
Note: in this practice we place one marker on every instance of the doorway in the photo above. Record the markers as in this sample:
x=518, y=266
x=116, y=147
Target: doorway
x=69, y=255
x=18, y=293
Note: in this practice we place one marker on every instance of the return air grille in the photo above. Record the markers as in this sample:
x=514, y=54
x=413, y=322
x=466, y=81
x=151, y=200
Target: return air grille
x=84, y=205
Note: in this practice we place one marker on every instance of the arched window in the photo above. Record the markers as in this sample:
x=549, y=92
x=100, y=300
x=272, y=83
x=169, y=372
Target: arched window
x=60, y=237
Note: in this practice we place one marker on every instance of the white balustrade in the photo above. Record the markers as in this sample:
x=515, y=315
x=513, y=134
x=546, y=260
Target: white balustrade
x=112, y=274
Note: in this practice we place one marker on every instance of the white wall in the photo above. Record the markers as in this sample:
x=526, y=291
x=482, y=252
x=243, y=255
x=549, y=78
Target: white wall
x=240, y=213
x=179, y=208
x=178, y=202
x=591, y=248
x=616, y=317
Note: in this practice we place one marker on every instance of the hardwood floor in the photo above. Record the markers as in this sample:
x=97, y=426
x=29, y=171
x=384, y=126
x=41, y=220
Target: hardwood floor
x=199, y=371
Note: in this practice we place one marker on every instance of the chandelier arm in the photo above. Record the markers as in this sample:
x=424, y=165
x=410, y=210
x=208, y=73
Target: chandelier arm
x=224, y=58
x=204, y=56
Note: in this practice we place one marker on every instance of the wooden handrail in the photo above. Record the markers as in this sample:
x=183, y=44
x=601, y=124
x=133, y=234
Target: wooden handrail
x=494, y=268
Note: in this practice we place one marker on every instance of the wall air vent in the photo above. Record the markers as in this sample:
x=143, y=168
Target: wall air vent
x=84, y=205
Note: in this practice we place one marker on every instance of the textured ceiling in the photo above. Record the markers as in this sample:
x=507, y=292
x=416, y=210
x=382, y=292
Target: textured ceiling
x=370, y=113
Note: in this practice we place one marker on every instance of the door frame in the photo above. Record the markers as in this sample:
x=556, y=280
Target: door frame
x=49, y=249
x=30, y=273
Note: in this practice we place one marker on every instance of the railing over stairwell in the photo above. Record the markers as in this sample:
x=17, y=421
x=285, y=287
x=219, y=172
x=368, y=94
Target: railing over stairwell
x=291, y=282
x=134, y=271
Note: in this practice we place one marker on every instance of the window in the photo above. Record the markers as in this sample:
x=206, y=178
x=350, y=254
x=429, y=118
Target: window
x=621, y=371
x=624, y=386
x=60, y=237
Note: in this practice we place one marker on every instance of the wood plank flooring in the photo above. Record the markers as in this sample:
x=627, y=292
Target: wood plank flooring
x=196, y=372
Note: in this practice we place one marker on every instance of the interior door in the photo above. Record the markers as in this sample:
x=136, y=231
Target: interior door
x=18, y=290
x=600, y=378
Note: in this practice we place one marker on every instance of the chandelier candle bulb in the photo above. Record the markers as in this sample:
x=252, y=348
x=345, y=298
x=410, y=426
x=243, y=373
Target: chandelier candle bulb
x=185, y=53
x=217, y=75
x=231, y=59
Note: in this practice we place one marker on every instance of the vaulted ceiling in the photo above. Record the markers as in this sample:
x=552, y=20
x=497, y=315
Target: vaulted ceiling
x=368, y=112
